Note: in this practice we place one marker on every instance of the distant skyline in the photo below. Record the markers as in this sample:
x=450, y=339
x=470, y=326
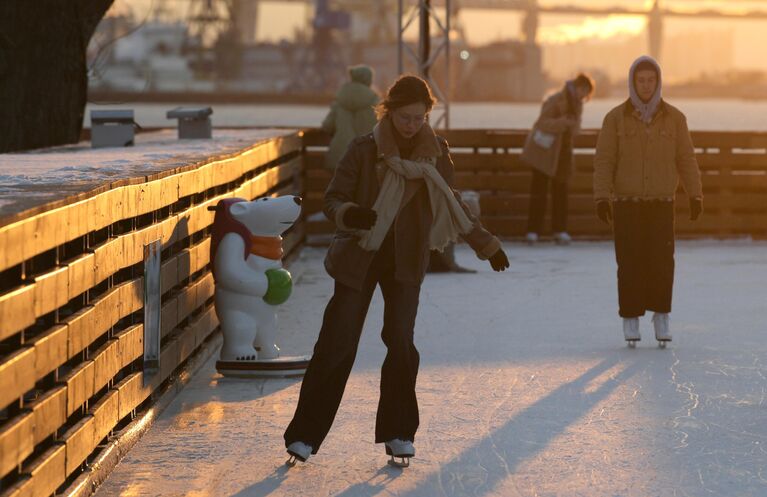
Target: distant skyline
x=279, y=20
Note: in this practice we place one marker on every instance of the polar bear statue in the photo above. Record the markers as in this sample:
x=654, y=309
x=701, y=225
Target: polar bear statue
x=246, y=259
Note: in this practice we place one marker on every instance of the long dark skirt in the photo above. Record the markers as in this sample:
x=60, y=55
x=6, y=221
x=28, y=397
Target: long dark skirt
x=644, y=250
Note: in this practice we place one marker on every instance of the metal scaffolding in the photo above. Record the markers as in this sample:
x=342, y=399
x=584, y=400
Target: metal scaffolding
x=425, y=56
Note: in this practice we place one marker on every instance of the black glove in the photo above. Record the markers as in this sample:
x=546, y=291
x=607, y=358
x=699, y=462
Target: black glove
x=696, y=207
x=499, y=261
x=604, y=211
x=361, y=218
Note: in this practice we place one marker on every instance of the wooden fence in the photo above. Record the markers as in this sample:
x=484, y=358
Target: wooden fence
x=71, y=306
x=734, y=167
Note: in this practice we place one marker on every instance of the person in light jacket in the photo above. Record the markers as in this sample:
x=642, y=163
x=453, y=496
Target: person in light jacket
x=351, y=114
x=392, y=200
x=643, y=149
x=549, y=152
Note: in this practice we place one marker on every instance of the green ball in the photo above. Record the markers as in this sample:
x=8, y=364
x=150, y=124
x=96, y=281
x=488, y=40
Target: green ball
x=280, y=286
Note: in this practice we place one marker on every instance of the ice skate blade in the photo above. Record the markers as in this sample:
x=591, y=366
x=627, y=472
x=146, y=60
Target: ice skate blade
x=293, y=460
x=403, y=463
x=632, y=343
x=662, y=343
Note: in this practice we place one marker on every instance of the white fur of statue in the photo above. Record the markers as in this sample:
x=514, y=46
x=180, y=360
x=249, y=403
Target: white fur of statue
x=250, y=283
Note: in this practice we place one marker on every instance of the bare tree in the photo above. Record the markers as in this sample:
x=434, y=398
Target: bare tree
x=43, y=70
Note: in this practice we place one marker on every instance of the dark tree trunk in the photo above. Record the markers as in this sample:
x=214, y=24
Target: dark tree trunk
x=43, y=70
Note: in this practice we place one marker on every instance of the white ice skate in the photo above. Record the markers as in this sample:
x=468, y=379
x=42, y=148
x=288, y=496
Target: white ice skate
x=400, y=451
x=662, y=333
x=631, y=331
x=562, y=238
x=531, y=238
x=298, y=451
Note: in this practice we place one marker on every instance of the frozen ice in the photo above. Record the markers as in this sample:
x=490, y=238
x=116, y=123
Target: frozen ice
x=526, y=388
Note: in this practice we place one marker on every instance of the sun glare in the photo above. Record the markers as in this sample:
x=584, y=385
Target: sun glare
x=592, y=28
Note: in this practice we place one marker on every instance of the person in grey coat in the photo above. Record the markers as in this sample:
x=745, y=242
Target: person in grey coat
x=549, y=152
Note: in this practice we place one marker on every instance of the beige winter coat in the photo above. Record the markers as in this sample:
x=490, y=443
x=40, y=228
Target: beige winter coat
x=639, y=161
x=554, y=120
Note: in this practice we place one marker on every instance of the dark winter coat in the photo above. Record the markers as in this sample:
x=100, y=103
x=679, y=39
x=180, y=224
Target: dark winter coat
x=561, y=117
x=357, y=182
x=351, y=115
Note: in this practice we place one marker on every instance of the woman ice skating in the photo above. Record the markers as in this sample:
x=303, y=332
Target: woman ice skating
x=643, y=149
x=391, y=199
x=549, y=152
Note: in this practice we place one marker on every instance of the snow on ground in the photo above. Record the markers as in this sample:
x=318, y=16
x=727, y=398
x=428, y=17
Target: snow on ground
x=526, y=389
x=28, y=179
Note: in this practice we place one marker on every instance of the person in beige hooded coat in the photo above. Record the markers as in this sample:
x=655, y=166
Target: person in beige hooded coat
x=549, y=153
x=643, y=149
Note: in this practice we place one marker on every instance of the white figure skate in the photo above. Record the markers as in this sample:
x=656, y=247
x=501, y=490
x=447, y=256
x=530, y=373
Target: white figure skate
x=298, y=451
x=631, y=331
x=531, y=238
x=562, y=238
x=400, y=451
x=662, y=334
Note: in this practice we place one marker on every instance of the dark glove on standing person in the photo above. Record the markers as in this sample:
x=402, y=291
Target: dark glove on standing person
x=696, y=208
x=604, y=211
x=361, y=218
x=499, y=261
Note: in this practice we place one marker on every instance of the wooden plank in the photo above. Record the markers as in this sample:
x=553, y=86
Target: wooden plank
x=105, y=415
x=205, y=289
x=169, y=274
x=169, y=316
x=50, y=412
x=169, y=361
x=200, y=256
x=22, y=488
x=80, y=442
x=81, y=275
x=51, y=290
x=16, y=375
x=17, y=310
x=80, y=325
x=51, y=350
x=110, y=257
x=186, y=343
x=11, y=246
x=48, y=471
x=187, y=302
x=106, y=364
x=130, y=344
x=131, y=393
x=79, y=384
x=204, y=325
x=16, y=441
x=131, y=296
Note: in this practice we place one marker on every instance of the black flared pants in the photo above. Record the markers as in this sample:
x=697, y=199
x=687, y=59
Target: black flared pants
x=336, y=348
x=539, y=188
x=644, y=250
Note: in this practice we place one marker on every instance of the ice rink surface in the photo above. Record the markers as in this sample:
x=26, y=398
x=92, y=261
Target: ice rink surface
x=526, y=388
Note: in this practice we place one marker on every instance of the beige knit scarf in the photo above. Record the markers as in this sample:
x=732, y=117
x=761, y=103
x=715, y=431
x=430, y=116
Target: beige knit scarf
x=449, y=219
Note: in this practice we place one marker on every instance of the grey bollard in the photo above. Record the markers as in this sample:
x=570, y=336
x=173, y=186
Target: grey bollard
x=112, y=128
x=193, y=122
